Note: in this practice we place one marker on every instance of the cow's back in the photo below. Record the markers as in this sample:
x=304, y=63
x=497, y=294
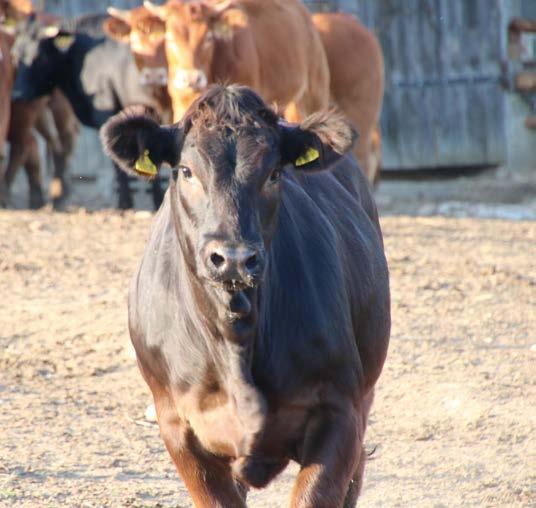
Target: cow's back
x=292, y=61
x=100, y=78
x=357, y=80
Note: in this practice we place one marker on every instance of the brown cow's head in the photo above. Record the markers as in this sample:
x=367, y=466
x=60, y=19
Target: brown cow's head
x=145, y=33
x=13, y=11
x=191, y=31
x=230, y=155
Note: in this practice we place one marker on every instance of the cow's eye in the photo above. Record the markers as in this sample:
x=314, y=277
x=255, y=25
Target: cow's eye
x=186, y=172
x=275, y=175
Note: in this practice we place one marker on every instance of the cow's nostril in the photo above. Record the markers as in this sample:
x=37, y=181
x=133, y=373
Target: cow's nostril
x=216, y=259
x=251, y=262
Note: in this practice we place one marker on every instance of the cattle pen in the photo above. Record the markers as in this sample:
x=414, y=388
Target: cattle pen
x=453, y=422
x=459, y=93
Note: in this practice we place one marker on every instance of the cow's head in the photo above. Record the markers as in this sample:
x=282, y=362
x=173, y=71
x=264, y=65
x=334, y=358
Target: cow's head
x=192, y=29
x=145, y=33
x=230, y=156
x=39, y=52
x=14, y=11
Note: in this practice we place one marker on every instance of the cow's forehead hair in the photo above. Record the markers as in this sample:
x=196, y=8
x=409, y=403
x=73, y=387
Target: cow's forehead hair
x=234, y=107
x=231, y=121
x=240, y=152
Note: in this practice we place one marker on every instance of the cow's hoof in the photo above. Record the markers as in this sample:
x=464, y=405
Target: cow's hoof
x=4, y=197
x=59, y=192
x=36, y=199
x=59, y=204
x=125, y=203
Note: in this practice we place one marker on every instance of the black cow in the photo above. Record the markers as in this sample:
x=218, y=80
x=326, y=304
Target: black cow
x=260, y=312
x=98, y=75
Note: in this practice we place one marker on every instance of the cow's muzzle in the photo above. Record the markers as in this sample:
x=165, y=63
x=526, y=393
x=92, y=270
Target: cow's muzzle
x=234, y=266
x=153, y=76
x=190, y=78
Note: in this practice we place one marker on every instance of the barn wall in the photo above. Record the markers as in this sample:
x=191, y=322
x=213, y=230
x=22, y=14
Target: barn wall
x=446, y=103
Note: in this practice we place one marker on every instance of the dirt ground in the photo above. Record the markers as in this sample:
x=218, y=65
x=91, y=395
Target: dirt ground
x=454, y=422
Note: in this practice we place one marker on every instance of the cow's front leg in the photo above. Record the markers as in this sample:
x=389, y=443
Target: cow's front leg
x=329, y=456
x=207, y=478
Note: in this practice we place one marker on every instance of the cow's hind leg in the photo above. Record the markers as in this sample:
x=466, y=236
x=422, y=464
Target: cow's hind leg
x=207, y=478
x=32, y=167
x=356, y=483
x=329, y=458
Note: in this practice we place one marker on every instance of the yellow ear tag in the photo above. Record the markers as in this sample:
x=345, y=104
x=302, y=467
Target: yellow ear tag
x=145, y=165
x=310, y=155
x=63, y=42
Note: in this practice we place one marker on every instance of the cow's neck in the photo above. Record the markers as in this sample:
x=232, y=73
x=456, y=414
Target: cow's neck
x=231, y=352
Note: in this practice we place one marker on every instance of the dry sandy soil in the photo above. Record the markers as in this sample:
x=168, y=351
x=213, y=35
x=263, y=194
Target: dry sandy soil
x=454, y=423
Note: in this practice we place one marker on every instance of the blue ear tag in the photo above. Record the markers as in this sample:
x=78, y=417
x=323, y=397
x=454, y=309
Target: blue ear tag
x=310, y=155
x=145, y=165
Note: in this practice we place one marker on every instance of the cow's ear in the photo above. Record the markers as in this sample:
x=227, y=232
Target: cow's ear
x=139, y=144
x=318, y=142
x=117, y=29
x=9, y=31
x=224, y=22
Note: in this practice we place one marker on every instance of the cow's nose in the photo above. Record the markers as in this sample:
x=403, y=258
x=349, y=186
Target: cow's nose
x=233, y=263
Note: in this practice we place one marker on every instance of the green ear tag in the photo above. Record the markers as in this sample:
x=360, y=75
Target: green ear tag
x=145, y=165
x=310, y=155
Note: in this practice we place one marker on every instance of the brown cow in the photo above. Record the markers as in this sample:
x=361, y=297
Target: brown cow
x=6, y=82
x=269, y=45
x=260, y=312
x=50, y=116
x=354, y=57
x=357, y=81
x=53, y=118
x=13, y=11
x=145, y=33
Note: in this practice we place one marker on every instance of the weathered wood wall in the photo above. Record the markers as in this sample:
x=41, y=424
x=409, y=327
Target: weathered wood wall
x=444, y=104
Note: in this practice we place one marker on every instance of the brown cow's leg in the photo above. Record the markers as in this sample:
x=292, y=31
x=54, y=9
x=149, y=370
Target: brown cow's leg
x=33, y=172
x=207, y=478
x=330, y=455
x=68, y=129
x=17, y=157
x=4, y=200
x=26, y=153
